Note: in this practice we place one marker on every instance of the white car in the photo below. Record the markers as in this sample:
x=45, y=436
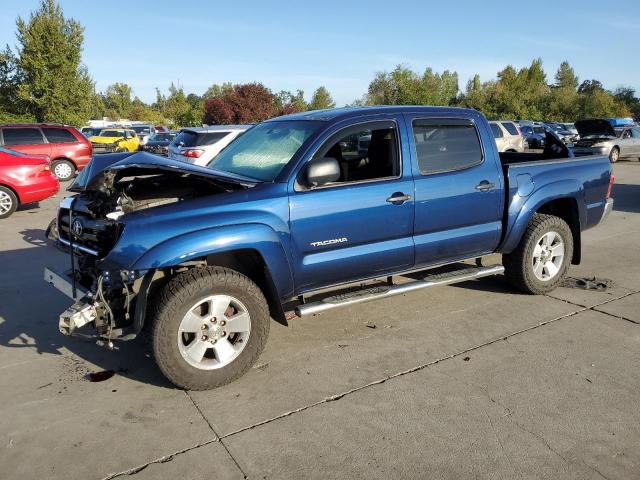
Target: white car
x=200, y=145
x=508, y=136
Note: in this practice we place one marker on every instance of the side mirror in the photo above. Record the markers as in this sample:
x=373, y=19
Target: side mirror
x=323, y=170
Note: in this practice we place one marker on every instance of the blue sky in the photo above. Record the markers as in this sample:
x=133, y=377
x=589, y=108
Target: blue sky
x=340, y=44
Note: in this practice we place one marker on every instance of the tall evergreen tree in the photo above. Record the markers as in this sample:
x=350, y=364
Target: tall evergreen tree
x=321, y=99
x=54, y=85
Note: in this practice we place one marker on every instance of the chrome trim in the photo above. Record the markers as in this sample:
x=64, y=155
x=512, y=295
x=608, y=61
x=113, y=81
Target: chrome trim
x=62, y=283
x=391, y=291
x=608, y=207
x=88, y=250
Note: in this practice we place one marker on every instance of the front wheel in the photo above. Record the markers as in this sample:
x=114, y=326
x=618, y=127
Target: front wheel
x=210, y=327
x=542, y=258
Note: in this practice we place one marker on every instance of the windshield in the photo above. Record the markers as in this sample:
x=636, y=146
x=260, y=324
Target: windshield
x=264, y=150
x=112, y=133
x=162, y=137
x=138, y=129
x=538, y=130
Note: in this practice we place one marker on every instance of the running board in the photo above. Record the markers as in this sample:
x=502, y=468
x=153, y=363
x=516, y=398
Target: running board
x=384, y=291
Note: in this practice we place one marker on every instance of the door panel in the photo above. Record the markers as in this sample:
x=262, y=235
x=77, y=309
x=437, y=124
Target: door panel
x=459, y=191
x=360, y=226
x=347, y=233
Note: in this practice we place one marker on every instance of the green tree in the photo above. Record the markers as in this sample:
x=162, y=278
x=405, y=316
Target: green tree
x=54, y=84
x=566, y=77
x=563, y=104
x=117, y=101
x=321, y=99
x=216, y=90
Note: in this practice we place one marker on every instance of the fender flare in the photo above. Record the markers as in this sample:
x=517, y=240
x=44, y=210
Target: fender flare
x=521, y=209
x=201, y=243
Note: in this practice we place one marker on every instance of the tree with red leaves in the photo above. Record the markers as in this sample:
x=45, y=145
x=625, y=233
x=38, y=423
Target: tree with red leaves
x=247, y=103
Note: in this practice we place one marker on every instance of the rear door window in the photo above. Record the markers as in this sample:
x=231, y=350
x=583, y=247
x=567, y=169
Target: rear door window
x=22, y=136
x=186, y=138
x=444, y=145
x=510, y=127
x=59, y=135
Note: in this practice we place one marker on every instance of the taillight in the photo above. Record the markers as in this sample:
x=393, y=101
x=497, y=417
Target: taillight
x=610, y=187
x=192, y=153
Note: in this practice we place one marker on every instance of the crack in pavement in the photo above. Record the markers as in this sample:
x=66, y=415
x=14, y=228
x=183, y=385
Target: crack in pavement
x=197, y=407
x=163, y=459
x=338, y=396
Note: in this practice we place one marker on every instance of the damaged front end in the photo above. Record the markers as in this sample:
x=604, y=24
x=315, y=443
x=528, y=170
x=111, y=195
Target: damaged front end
x=111, y=297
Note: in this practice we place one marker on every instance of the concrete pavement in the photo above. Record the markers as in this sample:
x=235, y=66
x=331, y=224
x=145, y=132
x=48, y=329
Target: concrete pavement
x=467, y=381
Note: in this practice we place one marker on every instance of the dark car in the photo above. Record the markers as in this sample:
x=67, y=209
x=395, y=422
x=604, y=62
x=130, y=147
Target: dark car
x=158, y=143
x=565, y=135
x=534, y=135
x=67, y=148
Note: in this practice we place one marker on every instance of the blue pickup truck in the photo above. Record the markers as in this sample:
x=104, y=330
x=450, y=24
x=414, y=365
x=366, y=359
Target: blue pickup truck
x=205, y=257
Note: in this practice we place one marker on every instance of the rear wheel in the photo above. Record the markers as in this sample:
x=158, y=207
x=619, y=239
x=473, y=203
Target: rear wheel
x=63, y=170
x=541, y=260
x=614, y=155
x=8, y=202
x=210, y=326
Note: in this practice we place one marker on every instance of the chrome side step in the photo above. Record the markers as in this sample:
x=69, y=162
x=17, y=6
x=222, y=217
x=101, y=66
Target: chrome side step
x=383, y=291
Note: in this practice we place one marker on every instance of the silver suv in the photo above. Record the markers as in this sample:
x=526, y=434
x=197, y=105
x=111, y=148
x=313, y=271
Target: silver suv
x=508, y=136
x=200, y=145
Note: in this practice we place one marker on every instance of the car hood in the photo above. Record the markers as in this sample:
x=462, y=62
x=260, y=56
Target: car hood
x=102, y=170
x=98, y=139
x=595, y=127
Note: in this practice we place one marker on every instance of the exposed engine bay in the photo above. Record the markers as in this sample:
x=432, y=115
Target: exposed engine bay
x=89, y=225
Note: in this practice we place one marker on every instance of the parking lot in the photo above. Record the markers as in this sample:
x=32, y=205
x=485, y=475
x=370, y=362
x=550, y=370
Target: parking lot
x=472, y=380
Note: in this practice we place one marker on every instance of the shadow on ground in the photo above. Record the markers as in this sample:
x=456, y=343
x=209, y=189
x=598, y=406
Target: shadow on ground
x=29, y=310
x=626, y=197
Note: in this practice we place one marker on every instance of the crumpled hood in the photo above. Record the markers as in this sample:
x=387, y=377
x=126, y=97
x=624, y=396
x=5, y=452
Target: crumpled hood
x=98, y=139
x=595, y=127
x=101, y=170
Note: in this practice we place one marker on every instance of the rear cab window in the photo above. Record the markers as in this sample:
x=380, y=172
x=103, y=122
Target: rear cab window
x=444, y=145
x=22, y=136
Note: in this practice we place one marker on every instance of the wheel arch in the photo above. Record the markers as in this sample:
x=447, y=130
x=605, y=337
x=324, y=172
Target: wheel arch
x=254, y=250
x=563, y=199
x=75, y=165
x=15, y=192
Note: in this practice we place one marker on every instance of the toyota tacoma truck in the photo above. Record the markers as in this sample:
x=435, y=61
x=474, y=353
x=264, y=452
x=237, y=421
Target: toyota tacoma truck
x=204, y=257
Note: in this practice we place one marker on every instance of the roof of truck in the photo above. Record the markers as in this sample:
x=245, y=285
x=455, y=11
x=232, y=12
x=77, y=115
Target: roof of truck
x=350, y=112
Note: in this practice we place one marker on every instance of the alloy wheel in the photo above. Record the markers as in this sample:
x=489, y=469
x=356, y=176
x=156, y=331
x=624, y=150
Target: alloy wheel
x=548, y=255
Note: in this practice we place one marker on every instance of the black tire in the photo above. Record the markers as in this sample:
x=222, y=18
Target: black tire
x=177, y=297
x=10, y=202
x=63, y=170
x=121, y=150
x=518, y=264
x=614, y=155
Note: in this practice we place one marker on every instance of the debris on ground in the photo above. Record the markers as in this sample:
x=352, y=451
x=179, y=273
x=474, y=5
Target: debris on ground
x=261, y=366
x=588, y=283
x=370, y=325
x=466, y=359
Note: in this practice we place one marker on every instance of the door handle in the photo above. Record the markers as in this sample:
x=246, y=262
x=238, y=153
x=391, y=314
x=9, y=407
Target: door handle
x=398, y=198
x=485, y=185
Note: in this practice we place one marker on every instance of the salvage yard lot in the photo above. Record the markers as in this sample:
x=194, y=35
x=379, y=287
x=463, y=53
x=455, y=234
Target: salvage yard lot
x=472, y=380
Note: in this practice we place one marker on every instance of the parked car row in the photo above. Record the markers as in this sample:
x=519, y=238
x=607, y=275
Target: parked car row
x=200, y=145
x=68, y=150
x=599, y=137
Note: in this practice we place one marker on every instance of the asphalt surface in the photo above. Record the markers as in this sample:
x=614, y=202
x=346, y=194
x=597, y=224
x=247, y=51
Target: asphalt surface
x=466, y=381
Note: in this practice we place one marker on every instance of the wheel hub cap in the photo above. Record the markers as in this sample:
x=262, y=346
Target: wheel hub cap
x=548, y=256
x=63, y=170
x=5, y=203
x=214, y=332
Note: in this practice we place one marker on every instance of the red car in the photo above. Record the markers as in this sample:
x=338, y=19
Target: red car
x=24, y=179
x=67, y=148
